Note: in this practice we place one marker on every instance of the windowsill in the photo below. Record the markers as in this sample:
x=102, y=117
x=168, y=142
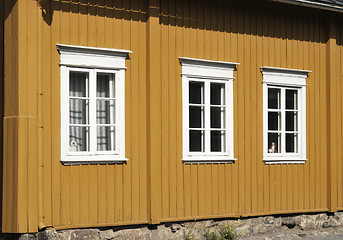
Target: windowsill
x=277, y=160
x=85, y=161
x=208, y=160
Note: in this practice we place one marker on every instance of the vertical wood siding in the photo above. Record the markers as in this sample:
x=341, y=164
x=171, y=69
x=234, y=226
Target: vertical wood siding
x=2, y=15
x=253, y=35
x=95, y=195
x=155, y=185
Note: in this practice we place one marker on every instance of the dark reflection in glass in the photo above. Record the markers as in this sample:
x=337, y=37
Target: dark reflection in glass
x=195, y=117
x=217, y=90
x=78, y=84
x=292, y=99
x=216, y=117
x=216, y=141
x=291, y=143
x=273, y=142
x=196, y=92
x=195, y=139
x=273, y=120
x=273, y=98
x=291, y=121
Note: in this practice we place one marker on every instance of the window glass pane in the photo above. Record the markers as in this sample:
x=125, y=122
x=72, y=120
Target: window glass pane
x=105, y=111
x=196, y=92
x=217, y=117
x=291, y=143
x=78, y=111
x=274, y=142
x=217, y=94
x=196, y=140
x=79, y=139
x=78, y=84
x=291, y=121
x=106, y=138
x=195, y=117
x=217, y=141
x=274, y=98
x=105, y=85
x=274, y=121
x=291, y=99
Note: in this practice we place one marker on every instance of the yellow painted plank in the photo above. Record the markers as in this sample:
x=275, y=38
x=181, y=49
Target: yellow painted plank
x=259, y=118
x=178, y=100
x=255, y=160
x=265, y=62
x=234, y=58
x=75, y=194
x=323, y=120
x=165, y=113
x=46, y=118
x=241, y=110
x=93, y=194
x=110, y=193
x=143, y=115
x=101, y=193
x=309, y=115
x=84, y=194
x=54, y=130
x=247, y=113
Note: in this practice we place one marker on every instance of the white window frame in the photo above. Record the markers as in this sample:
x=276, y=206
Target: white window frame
x=284, y=78
x=92, y=60
x=207, y=71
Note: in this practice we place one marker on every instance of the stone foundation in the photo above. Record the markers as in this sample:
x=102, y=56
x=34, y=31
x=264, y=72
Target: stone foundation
x=244, y=227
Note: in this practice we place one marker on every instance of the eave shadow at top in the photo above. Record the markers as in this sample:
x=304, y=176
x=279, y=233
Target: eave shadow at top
x=258, y=18
x=135, y=10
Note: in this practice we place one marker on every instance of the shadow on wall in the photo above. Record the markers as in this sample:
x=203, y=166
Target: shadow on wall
x=258, y=18
x=134, y=10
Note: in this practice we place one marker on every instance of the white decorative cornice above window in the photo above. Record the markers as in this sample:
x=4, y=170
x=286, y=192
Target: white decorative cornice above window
x=90, y=57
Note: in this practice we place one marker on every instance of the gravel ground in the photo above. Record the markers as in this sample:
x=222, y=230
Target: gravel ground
x=323, y=234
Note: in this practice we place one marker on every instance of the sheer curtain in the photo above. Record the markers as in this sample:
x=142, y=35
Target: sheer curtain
x=78, y=107
x=105, y=112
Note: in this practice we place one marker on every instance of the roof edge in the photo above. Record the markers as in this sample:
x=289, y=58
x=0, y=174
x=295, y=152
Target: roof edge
x=313, y=4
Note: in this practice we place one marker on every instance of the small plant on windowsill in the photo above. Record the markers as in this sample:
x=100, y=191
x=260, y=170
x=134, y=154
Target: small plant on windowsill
x=227, y=231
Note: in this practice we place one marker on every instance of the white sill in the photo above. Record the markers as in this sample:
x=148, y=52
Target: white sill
x=284, y=161
x=80, y=161
x=208, y=160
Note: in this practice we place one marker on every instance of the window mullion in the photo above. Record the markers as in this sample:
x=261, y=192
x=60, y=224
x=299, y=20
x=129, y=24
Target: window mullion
x=283, y=120
x=92, y=111
x=207, y=117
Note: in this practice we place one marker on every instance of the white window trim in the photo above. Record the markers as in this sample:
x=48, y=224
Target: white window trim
x=284, y=77
x=92, y=60
x=199, y=69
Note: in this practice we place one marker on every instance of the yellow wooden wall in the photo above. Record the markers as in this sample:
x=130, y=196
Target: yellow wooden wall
x=154, y=185
x=253, y=34
x=2, y=9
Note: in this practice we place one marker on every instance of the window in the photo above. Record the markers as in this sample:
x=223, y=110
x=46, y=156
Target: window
x=207, y=101
x=92, y=105
x=284, y=115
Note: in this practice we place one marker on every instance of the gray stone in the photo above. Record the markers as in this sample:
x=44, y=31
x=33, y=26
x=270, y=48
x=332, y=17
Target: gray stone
x=331, y=222
x=306, y=224
x=244, y=230
x=48, y=235
x=107, y=234
x=174, y=227
x=290, y=222
x=27, y=237
x=84, y=234
x=339, y=217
